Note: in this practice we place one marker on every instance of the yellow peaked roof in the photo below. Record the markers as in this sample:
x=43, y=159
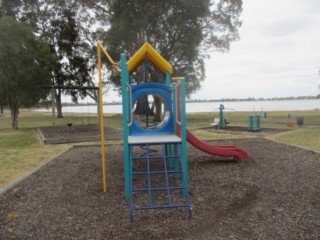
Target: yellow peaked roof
x=147, y=52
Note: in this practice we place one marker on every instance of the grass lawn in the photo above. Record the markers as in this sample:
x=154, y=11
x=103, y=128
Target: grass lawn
x=307, y=137
x=21, y=151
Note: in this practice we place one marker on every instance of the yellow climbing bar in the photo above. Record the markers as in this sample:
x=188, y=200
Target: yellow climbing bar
x=177, y=78
x=103, y=152
x=147, y=52
x=114, y=64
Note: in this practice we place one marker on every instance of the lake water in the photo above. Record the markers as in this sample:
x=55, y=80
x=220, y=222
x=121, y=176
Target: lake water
x=254, y=106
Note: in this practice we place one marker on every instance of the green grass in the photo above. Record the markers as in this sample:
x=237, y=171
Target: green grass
x=306, y=136
x=20, y=150
x=16, y=139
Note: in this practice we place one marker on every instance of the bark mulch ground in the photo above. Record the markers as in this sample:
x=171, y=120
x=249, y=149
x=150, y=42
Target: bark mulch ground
x=273, y=195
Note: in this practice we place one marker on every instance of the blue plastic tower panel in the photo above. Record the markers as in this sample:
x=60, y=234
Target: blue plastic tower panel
x=165, y=92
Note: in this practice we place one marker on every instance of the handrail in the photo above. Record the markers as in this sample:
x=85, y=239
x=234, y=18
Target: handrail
x=114, y=64
x=130, y=107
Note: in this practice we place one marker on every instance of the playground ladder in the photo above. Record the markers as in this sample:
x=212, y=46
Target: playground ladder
x=153, y=177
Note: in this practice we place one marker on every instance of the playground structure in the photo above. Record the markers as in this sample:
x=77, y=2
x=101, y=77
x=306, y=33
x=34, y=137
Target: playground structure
x=69, y=120
x=163, y=140
x=220, y=122
x=254, y=123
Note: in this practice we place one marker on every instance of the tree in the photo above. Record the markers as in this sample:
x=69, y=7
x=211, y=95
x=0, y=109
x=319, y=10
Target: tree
x=71, y=69
x=66, y=25
x=25, y=66
x=181, y=30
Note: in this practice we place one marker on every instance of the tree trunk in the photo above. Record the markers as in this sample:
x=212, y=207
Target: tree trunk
x=143, y=107
x=14, y=110
x=1, y=108
x=58, y=103
x=158, y=111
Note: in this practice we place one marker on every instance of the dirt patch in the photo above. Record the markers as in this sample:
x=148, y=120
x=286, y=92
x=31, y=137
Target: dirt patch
x=274, y=195
x=86, y=133
x=244, y=131
x=76, y=133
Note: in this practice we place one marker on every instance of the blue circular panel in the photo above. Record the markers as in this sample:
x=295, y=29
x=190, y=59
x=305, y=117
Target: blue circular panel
x=165, y=94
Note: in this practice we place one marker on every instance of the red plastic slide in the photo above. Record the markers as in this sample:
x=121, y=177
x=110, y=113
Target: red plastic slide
x=226, y=151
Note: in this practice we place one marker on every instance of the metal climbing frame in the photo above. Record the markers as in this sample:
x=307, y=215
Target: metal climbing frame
x=153, y=177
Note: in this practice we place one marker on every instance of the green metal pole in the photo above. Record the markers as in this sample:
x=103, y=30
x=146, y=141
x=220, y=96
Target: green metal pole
x=183, y=131
x=250, y=120
x=221, y=117
x=125, y=118
x=168, y=78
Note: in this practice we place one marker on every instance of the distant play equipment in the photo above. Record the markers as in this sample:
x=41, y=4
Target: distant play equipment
x=54, y=104
x=220, y=122
x=254, y=123
x=160, y=125
x=300, y=121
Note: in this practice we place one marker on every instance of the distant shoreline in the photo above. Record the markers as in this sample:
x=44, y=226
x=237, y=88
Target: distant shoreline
x=256, y=99
x=212, y=100
x=213, y=106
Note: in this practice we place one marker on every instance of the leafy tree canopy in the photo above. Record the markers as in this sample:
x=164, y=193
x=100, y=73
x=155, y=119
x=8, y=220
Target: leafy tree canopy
x=25, y=66
x=181, y=30
x=70, y=29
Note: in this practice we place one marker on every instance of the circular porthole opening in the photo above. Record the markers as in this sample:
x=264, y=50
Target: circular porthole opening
x=151, y=111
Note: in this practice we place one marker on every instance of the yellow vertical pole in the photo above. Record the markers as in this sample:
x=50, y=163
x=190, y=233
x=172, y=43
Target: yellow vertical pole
x=103, y=153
